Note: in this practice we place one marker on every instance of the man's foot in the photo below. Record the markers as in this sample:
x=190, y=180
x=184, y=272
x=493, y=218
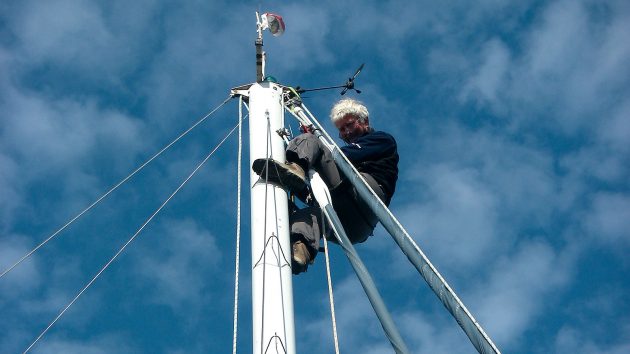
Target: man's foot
x=301, y=257
x=289, y=175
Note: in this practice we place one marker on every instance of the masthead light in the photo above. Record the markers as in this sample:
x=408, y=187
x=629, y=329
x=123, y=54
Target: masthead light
x=273, y=22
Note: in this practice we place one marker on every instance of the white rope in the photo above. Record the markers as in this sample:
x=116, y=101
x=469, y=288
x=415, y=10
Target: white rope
x=129, y=241
x=330, y=290
x=113, y=188
x=238, y=220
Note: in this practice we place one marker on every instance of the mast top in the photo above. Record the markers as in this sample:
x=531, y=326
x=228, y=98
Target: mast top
x=275, y=25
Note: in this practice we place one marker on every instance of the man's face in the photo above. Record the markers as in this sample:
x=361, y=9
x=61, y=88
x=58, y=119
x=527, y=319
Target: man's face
x=350, y=128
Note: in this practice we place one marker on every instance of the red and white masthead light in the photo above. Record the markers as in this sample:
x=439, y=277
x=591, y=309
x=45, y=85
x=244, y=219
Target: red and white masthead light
x=273, y=22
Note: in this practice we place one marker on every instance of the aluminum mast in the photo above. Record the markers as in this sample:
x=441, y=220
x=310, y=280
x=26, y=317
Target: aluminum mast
x=272, y=287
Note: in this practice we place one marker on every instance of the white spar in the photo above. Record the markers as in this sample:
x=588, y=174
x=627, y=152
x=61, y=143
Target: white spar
x=272, y=290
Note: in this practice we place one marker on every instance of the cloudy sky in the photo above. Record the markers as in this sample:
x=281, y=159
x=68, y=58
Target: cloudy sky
x=513, y=122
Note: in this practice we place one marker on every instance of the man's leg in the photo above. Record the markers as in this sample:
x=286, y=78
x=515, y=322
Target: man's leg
x=309, y=152
x=356, y=216
x=305, y=228
x=304, y=152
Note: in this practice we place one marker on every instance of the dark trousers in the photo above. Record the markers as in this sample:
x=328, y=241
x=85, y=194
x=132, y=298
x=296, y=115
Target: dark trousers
x=356, y=217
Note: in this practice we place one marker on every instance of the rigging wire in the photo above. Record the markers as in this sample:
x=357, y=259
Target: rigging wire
x=111, y=260
x=330, y=289
x=115, y=187
x=238, y=218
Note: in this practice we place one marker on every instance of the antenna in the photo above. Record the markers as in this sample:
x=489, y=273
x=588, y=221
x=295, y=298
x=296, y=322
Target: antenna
x=349, y=85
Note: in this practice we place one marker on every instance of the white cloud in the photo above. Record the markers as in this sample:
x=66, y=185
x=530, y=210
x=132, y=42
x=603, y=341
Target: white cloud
x=431, y=334
x=616, y=131
x=34, y=293
x=515, y=292
x=571, y=59
x=81, y=39
x=64, y=31
x=564, y=71
x=609, y=220
x=487, y=84
x=67, y=141
x=109, y=343
x=303, y=44
x=10, y=191
x=458, y=220
x=554, y=43
x=202, y=53
x=174, y=265
x=572, y=340
x=475, y=191
x=23, y=278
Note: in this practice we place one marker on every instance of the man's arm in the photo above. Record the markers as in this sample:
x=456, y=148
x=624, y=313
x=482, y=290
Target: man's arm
x=370, y=147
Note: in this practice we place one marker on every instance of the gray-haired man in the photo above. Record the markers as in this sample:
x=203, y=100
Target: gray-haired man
x=373, y=153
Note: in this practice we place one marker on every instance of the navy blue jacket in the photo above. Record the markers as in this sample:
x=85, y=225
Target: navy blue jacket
x=376, y=154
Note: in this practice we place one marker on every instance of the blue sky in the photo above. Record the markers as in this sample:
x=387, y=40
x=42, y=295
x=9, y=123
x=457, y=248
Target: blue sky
x=513, y=122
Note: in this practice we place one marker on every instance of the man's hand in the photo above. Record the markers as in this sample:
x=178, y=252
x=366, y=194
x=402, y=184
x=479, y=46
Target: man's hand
x=307, y=129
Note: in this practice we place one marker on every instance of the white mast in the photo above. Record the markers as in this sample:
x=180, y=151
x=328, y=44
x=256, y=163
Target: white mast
x=272, y=288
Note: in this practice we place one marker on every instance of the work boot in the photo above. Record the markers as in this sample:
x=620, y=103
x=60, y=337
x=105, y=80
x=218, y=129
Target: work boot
x=288, y=175
x=301, y=257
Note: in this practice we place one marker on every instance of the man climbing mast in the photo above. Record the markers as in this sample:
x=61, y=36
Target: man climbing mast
x=373, y=153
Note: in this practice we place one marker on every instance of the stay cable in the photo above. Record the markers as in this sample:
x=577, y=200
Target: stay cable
x=114, y=188
x=130, y=240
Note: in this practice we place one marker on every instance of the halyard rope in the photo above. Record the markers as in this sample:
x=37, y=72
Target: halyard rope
x=330, y=289
x=238, y=219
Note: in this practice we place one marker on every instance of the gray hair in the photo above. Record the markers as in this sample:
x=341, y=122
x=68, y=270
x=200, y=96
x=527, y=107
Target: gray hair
x=349, y=106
